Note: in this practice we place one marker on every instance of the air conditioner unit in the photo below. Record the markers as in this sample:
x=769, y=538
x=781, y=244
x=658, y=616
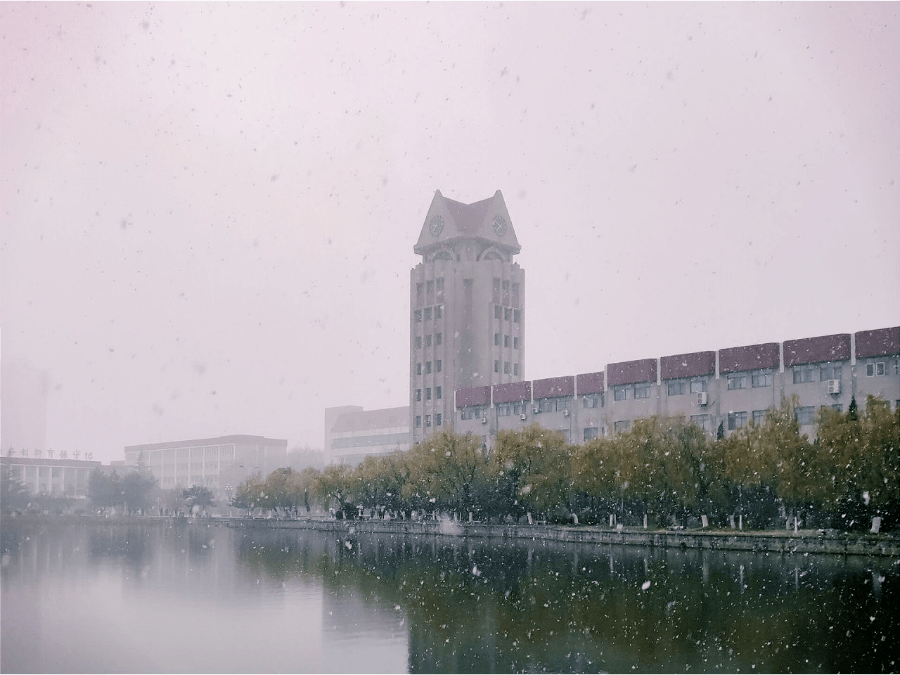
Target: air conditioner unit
x=702, y=398
x=522, y=417
x=834, y=386
x=565, y=413
x=535, y=410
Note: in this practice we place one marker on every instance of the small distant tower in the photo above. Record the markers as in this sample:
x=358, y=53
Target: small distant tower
x=467, y=319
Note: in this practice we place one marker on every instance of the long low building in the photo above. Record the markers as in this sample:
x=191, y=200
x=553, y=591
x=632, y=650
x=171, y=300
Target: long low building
x=55, y=477
x=729, y=387
x=216, y=463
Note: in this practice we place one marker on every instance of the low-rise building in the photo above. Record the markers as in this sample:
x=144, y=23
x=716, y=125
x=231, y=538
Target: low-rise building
x=730, y=387
x=54, y=477
x=216, y=463
x=356, y=433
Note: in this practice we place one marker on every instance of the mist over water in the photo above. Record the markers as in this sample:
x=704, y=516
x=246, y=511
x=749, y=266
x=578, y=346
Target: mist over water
x=98, y=597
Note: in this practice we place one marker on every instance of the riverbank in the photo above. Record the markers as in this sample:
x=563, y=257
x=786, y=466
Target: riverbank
x=786, y=542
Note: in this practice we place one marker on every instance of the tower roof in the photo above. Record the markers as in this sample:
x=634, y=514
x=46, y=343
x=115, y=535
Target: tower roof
x=448, y=221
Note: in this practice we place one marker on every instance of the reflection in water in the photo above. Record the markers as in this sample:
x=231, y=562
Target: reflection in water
x=197, y=598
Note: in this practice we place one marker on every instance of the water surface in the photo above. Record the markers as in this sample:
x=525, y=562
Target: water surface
x=164, y=597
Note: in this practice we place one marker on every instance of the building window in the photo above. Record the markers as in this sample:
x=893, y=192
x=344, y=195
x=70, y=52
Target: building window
x=621, y=425
x=761, y=378
x=737, y=380
x=759, y=416
x=829, y=371
x=516, y=369
x=429, y=291
x=506, y=340
x=418, y=341
x=506, y=313
x=506, y=367
x=620, y=393
x=437, y=392
x=496, y=339
x=515, y=343
x=428, y=313
x=590, y=400
x=418, y=369
x=428, y=367
x=837, y=406
x=427, y=340
x=642, y=390
x=805, y=415
x=418, y=394
x=437, y=419
x=496, y=290
x=517, y=315
x=496, y=366
x=676, y=387
x=427, y=393
x=497, y=311
x=438, y=311
x=418, y=294
x=439, y=284
x=737, y=420
x=437, y=366
x=590, y=433
x=418, y=421
x=515, y=294
x=427, y=420
x=504, y=410
x=803, y=374
x=418, y=315
x=875, y=369
x=439, y=339
x=698, y=385
x=702, y=421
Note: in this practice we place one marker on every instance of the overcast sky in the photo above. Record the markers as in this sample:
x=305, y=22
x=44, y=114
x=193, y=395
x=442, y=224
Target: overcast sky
x=209, y=210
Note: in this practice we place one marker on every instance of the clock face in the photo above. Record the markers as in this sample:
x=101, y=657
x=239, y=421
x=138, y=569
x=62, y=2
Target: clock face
x=436, y=226
x=500, y=225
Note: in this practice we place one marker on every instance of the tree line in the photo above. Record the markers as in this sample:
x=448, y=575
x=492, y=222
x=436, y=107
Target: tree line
x=666, y=470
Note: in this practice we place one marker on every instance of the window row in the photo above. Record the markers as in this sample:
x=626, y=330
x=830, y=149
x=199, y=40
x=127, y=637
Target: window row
x=816, y=372
x=438, y=394
x=753, y=378
x=554, y=404
x=507, y=409
x=623, y=392
x=876, y=369
x=437, y=339
x=433, y=291
x=438, y=421
x=437, y=367
x=505, y=298
x=506, y=341
x=437, y=312
x=473, y=412
x=506, y=366
x=679, y=387
x=506, y=313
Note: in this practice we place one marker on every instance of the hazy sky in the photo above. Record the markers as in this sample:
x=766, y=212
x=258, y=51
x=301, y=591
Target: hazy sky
x=208, y=210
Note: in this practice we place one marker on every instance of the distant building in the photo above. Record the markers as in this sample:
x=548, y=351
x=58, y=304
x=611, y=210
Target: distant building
x=23, y=415
x=55, y=477
x=212, y=462
x=732, y=387
x=356, y=433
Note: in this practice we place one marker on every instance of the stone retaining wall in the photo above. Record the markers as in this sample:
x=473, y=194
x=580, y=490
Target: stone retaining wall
x=805, y=541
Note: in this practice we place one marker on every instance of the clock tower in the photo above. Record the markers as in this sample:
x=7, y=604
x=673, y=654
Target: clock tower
x=467, y=319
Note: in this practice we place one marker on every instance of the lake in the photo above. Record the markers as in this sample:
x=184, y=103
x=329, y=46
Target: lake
x=163, y=597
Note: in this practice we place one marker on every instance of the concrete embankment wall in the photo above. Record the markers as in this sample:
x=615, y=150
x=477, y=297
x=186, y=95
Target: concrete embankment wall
x=807, y=541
